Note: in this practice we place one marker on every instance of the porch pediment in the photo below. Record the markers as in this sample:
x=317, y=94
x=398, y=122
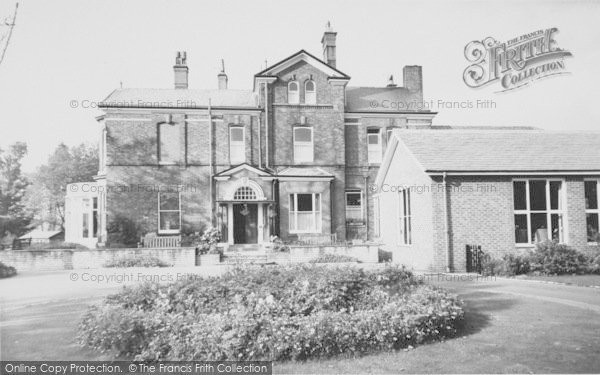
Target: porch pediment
x=243, y=170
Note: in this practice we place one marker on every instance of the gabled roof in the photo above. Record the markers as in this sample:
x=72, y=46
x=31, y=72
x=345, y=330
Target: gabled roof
x=501, y=151
x=40, y=234
x=302, y=55
x=383, y=99
x=245, y=166
x=179, y=98
x=304, y=172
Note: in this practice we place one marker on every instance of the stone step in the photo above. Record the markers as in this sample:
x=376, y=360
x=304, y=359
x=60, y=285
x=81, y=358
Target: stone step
x=246, y=257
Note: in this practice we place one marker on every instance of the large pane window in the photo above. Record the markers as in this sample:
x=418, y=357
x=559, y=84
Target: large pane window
x=237, y=145
x=592, y=210
x=169, y=143
x=305, y=213
x=538, y=206
x=354, y=208
x=303, y=145
x=169, y=212
x=404, y=217
x=374, y=146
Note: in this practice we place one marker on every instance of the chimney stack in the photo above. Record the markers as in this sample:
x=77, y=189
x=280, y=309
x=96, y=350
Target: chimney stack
x=222, y=77
x=413, y=79
x=328, y=42
x=181, y=71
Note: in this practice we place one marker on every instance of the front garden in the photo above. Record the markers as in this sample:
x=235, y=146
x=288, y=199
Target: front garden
x=272, y=313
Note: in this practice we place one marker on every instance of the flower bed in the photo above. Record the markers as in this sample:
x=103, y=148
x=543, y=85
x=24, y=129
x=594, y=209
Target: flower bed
x=135, y=261
x=273, y=313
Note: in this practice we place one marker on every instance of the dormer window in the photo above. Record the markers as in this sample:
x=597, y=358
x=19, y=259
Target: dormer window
x=310, y=92
x=293, y=93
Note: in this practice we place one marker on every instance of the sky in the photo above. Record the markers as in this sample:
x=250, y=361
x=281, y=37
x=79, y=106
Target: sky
x=65, y=54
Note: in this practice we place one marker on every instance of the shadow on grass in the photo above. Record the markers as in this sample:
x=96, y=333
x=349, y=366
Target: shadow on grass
x=478, y=309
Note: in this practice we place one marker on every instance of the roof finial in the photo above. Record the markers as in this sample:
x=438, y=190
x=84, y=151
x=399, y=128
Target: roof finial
x=391, y=81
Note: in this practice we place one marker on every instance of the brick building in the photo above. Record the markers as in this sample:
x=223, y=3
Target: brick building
x=439, y=190
x=291, y=157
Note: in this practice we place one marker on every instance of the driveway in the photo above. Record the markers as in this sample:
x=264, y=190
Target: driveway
x=510, y=326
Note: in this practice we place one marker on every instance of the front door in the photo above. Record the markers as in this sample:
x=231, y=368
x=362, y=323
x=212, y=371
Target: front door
x=245, y=223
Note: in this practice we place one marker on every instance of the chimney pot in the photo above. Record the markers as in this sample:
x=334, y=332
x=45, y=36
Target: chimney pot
x=181, y=71
x=328, y=41
x=222, y=77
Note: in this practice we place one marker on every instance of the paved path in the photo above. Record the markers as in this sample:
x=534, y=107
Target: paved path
x=510, y=326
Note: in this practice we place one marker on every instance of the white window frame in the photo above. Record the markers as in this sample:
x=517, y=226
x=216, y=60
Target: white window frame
x=404, y=217
x=308, y=146
x=293, y=99
x=360, y=208
x=561, y=211
x=237, y=149
x=317, y=215
x=592, y=210
x=374, y=152
x=169, y=231
x=310, y=97
x=160, y=148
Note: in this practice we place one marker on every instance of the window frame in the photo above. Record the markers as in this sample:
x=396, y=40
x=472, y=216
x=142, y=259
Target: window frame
x=159, y=143
x=317, y=224
x=310, y=144
x=592, y=210
x=241, y=144
x=404, y=217
x=169, y=231
x=378, y=149
x=561, y=211
x=313, y=93
x=297, y=95
x=360, y=208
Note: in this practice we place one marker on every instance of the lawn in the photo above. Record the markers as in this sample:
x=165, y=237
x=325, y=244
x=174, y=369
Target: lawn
x=579, y=280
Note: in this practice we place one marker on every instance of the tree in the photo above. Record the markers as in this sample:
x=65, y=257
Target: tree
x=46, y=195
x=14, y=216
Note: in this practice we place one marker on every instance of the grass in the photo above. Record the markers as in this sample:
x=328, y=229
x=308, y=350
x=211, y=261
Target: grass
x=578, y=280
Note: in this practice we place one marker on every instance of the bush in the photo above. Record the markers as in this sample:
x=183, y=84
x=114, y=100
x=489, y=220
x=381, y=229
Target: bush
x=7, y=271
x=208, y=242
x=384, y=256
x=56, y=245
x=278, y=245
x=334, y=258
x=594, y=265
x=274, y=313
x=551, y=258
x=491, y=266
x=515, y=264
x=136, y=261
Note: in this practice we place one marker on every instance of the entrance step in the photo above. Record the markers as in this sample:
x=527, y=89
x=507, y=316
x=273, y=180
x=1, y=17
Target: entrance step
x=245, y=257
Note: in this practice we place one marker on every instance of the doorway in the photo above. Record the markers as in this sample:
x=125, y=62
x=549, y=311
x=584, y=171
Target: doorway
x=245, y=223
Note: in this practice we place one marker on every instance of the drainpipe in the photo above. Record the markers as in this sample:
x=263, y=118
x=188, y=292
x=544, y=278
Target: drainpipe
x=366, y=204
x=266, y=125
x=446, y=224
x=259, y=145
x=210, y=158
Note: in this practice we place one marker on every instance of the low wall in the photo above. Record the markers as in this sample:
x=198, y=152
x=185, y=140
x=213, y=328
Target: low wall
x=366, y=253
x=68, y=259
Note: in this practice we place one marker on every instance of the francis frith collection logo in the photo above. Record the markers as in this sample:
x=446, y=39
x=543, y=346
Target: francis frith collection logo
x=515, y=63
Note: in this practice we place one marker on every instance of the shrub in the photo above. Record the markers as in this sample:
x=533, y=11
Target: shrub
x=7, y=271
x=384, y=256
x=56, y=245
x=279, y=246
x=334, y=258
x=594, y=265
x=274, y=313
x=208, y=242
x=491, y=266
x=515, y=264
x=135, y=261
x=551, y=258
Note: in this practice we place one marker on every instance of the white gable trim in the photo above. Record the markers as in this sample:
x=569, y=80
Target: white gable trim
x=303, y=56
x=239, y=168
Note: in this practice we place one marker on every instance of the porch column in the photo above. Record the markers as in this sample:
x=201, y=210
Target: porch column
x=230, y=223
x=261, y=223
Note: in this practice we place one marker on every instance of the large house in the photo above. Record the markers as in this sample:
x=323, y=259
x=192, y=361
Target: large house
x=291, y=157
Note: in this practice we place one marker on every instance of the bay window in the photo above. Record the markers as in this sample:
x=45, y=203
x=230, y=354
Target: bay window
x=538, y=210
x=592, y=210
x=305, y=213
x=169, y=212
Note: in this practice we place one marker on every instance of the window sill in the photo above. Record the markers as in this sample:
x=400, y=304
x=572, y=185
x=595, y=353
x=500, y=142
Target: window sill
x=174, y=231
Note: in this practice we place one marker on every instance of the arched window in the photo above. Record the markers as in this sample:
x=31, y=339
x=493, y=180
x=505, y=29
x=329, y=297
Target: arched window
x=293, y=93
x=310, y=92
x=244, y=193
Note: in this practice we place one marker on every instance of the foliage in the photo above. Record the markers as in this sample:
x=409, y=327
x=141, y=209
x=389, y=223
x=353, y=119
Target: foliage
x=491, y=266
x=56, y=245
x=334, y=258
x=551, y=258
x=14, y=218
x=7, y=271
x=384, y=256
x=46, y=195
x=274, y=313
x=516, y=264
x=123, y=231
x=278, y=246
x=208, y=242
x=136, y=261
x=594, y=265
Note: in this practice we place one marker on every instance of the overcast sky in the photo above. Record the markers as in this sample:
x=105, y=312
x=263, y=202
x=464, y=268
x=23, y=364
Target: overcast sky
x=64, y=51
